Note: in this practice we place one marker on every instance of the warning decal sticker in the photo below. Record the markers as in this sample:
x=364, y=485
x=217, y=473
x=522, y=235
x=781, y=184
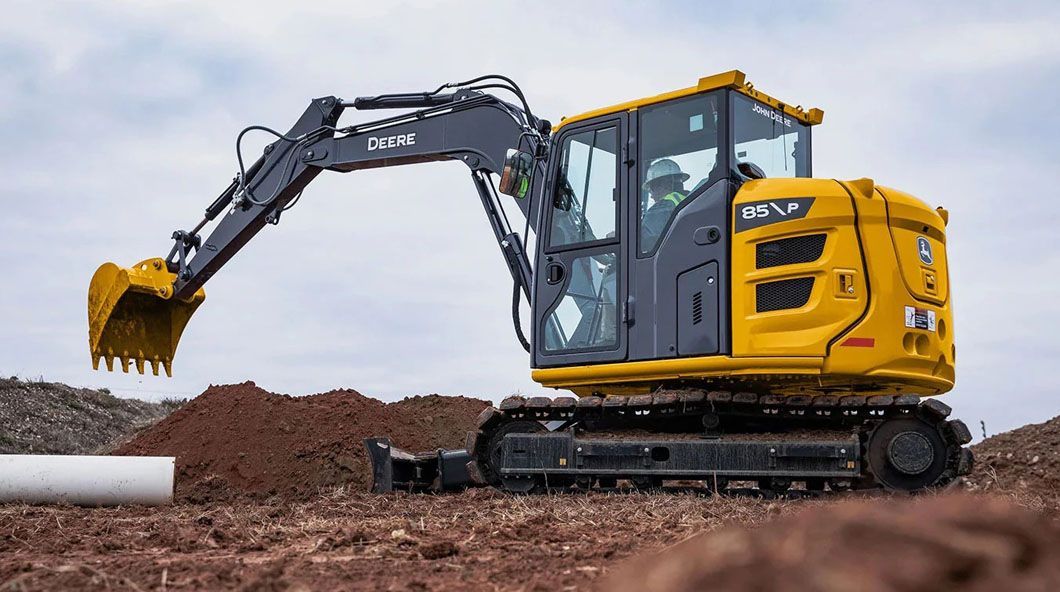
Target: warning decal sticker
x=919, y=318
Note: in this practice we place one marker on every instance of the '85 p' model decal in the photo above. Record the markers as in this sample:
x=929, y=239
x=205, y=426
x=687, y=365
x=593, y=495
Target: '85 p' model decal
x=759, y=213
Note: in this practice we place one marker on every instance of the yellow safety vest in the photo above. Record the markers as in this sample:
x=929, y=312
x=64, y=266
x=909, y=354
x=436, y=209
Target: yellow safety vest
x=675, y=197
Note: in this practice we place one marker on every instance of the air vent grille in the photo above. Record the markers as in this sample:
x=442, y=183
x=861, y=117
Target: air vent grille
x=788, y=251
x=697, y=308
x=783, y=294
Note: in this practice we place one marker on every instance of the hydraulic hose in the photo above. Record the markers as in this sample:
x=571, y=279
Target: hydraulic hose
x=515, y=318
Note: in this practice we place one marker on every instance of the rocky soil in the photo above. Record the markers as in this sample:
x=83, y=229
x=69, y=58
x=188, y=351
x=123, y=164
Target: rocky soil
x=52, y=418
x=1025, y=460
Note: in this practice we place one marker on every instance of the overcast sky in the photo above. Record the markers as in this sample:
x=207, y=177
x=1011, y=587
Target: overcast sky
x=118, y=121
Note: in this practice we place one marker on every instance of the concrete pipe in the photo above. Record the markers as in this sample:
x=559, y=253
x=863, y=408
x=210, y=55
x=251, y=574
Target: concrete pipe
x=86, y=480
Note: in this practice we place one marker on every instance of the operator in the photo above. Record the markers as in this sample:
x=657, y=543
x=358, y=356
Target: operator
x=665, y=182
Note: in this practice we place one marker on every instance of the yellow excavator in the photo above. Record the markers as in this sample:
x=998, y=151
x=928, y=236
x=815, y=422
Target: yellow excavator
x=723, y=317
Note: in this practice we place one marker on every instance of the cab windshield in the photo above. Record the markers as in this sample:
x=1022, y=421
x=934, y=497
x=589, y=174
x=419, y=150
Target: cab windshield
x=771, y=140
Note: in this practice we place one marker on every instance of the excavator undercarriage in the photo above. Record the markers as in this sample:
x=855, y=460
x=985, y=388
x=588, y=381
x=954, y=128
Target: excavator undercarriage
x=719, y=439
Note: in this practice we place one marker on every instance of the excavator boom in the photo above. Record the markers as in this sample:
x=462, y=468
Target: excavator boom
x=137, y=314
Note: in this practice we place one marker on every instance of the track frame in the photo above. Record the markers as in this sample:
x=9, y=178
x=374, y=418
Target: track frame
x=504, y=453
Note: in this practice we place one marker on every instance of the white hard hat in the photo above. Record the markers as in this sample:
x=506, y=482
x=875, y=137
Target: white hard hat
x=664, y=167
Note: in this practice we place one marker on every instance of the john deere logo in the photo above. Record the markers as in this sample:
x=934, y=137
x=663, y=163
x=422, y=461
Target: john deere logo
x=777, y=117
x=923, y=247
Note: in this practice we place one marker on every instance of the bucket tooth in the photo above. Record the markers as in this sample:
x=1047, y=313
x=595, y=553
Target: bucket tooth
x=132, y=312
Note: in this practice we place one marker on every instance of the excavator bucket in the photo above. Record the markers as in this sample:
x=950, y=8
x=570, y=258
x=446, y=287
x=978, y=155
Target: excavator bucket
x=133, y=316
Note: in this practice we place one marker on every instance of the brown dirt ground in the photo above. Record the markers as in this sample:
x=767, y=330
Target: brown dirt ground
x=258, y=509
x=486, y=540
x=477, y=540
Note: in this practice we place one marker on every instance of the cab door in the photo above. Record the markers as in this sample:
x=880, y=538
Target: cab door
x=580, y=276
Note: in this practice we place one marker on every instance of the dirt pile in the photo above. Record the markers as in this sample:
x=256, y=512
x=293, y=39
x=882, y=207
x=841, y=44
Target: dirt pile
x=240, y=439
x=948, y=542
x=1026, y=459
x=53, y=418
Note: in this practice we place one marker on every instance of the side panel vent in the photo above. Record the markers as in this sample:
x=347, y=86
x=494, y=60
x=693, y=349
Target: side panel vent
x=788, y=251
x=697, y=313
x=783, y=294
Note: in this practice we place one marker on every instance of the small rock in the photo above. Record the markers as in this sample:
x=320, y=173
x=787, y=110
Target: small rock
x=438, y=550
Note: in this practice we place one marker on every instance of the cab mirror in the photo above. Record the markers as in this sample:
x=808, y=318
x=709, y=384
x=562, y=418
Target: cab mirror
x=517, y=173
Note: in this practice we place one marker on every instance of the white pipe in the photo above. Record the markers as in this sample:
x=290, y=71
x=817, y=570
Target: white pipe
x=86, y=480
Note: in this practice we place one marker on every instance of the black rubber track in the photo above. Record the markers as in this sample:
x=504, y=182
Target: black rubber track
x=908, y=444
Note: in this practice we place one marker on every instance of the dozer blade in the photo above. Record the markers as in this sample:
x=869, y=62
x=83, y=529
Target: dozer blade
x=133, y=316
x=393, y=469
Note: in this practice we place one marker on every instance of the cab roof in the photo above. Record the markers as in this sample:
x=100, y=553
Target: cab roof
x=733, y=79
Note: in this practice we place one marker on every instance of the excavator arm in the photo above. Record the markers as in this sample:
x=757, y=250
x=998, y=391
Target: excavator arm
x=138, y=314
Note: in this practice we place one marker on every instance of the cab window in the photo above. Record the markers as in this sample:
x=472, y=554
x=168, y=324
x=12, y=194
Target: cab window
x=678, y=156
x=585, y=197
x=775, y=143
x=585, y=317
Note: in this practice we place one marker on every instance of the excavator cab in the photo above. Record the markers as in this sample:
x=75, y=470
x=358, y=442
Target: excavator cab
x=633, y=261
x=683, y=240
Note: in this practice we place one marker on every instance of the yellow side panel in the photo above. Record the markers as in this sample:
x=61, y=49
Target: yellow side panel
x=922, y=359
x=803, y=331
x=912, y=223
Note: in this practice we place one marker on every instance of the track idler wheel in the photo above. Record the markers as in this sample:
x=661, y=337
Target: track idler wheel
x=908, y=454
